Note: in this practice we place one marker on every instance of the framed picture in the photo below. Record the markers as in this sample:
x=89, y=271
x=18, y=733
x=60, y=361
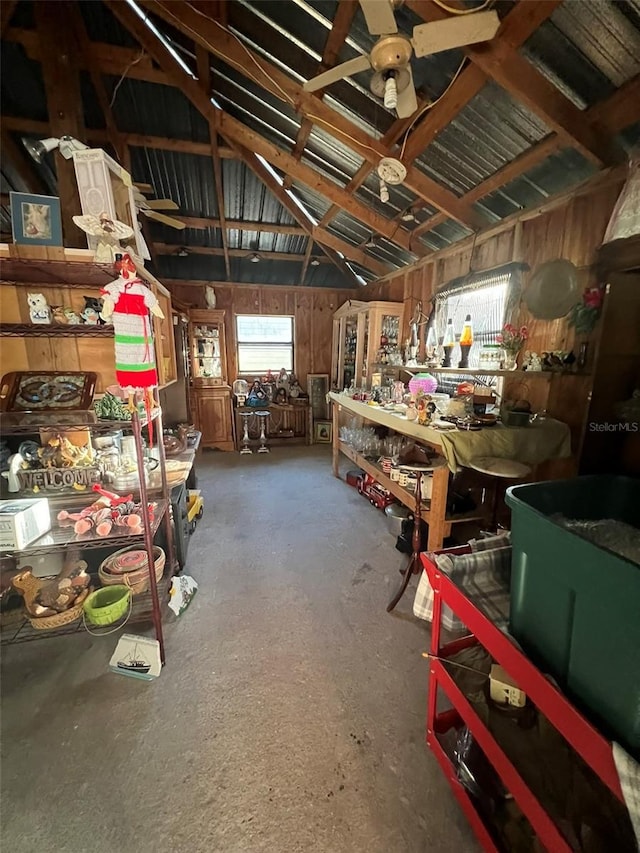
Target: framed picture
x=322, y=432
x=35, y=219
x=317, y=389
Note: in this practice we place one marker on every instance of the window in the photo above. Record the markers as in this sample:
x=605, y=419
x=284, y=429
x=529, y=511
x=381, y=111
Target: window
x=264, y=343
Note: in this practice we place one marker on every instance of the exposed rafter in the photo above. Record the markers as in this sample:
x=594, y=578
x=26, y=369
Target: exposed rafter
x=502, y=62
x=204, y=75
x=226, y=46
x=228, y=129
x=305, y=262
x=174, y=249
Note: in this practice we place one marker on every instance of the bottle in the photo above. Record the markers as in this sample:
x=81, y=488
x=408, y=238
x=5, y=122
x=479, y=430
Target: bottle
x=448, y=343
x=466, y=341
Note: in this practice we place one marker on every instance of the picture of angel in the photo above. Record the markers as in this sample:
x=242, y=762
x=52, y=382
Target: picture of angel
x=35, y=219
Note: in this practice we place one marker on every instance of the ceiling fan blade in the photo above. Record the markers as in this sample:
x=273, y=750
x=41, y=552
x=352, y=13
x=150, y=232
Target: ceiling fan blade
x=353, y=66
x=144, y=188
x=407, y=101
x=162, y=204
x=454, y=32
x=166, y=220
x=379, y=17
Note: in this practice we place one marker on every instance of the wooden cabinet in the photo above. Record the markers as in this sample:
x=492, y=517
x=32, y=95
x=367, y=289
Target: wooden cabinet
x=208, y=355
x=211, y=410
x=163, y=337
x=364, y=335
x=210, y=394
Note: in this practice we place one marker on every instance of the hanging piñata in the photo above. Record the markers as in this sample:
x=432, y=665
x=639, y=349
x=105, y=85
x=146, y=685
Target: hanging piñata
x=127, y=303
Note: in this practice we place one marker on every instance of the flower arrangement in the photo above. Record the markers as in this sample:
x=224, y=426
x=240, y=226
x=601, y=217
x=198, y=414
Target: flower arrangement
x=584, y=314
x=512, y=339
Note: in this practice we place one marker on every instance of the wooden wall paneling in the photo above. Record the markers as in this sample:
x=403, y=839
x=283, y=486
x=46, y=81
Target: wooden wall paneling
x=302, y=347
x=322, y=329
x=97, y=354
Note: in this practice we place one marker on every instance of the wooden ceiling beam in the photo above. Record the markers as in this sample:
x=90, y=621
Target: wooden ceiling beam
x=64, y=103
x=204, y=76
x=200, y=222
x=238, y=134
x=173, y=249
x=345, y=14
x=226, y=46
x=305, y=261
x=501, y=61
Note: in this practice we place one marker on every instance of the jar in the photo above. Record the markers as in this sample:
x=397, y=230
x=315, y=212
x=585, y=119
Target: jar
x=490, y=357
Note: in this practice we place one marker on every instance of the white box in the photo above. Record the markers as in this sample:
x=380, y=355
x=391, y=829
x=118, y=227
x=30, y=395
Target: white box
x=22, y=521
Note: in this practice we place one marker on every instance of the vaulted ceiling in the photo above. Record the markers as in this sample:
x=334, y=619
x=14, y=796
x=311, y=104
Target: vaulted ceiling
x=205, y=102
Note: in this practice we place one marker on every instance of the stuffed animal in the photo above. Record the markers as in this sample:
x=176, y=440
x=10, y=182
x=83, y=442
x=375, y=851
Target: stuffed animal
x=39, y=310
x=91, y=313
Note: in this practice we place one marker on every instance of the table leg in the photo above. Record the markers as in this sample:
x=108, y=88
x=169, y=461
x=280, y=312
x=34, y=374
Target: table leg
x=335, y=438
x=438, y=509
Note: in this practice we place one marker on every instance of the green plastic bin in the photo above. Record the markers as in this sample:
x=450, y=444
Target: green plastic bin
x=575, y=607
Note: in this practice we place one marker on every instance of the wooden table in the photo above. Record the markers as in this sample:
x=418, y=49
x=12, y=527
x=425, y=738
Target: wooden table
x=292, y=423
x=435, y=514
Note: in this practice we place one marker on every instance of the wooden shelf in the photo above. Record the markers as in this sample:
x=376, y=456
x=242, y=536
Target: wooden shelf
x=403, y=495
x=476, y=371
x=52, y=330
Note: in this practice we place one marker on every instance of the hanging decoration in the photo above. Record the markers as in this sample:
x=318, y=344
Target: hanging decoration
x=128, y=301
x=584, y=314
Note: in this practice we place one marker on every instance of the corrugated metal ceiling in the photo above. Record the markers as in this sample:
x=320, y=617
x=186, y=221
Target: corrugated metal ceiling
x=585, y=49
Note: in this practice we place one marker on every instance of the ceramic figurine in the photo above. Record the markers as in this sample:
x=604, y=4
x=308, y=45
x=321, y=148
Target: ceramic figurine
x=39, y=311
x=532, y=362
x=283, y=380
x=58, y=315
x=72, y=318
x=295, y=390
x=281, y=397
x=15, y=464
x=210, y=296
x=257, y=395
x=91, y=313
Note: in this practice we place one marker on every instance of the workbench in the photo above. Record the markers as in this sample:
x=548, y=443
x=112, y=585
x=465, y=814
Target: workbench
x=532, y=445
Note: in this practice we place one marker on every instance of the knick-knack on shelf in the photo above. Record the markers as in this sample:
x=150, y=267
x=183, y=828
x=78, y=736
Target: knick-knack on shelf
x=39, y=311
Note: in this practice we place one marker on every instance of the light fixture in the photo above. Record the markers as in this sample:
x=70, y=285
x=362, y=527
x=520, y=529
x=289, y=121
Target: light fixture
x=408, y=216
x=37, y=148
x=182, y=252
x=384, y=192
x=254, y=258
x=315, y=262
x=371, y=243
x=390, y=91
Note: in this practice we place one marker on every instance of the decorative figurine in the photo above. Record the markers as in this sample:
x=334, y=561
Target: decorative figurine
x=127, y=301
x=283, y=380
x=39, y=311
x=281, y=397
x=210, y=296
x=295, y=390
x=91, y=314
x=108, y=233
x=532, y=362
x=257, y=396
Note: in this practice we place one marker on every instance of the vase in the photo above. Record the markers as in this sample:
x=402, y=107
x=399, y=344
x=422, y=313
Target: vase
x=510, y=360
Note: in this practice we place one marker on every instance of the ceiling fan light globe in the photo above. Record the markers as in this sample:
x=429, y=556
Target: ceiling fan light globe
x=390, y=93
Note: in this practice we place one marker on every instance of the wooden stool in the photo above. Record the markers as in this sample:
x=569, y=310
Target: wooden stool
x=414, y=567
x=499, y=469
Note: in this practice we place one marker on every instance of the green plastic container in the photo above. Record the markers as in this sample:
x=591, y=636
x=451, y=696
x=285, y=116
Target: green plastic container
x=105, y=606
x=575, y=607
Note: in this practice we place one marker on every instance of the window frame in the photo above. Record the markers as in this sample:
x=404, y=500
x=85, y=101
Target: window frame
x=261, y=371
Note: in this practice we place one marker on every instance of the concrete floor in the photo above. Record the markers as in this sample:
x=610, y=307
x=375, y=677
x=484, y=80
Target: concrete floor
x=290, y=714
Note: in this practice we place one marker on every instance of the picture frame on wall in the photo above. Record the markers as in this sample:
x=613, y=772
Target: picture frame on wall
x=322, y=432
x=36, y=219
x=317, y=389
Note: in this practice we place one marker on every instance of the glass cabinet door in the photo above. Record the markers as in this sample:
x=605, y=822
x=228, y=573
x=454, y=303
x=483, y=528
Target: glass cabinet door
x=207, y=359
x=349, y=345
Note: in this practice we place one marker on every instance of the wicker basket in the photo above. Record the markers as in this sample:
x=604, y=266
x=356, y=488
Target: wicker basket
x=137, y=579
x=29, y=586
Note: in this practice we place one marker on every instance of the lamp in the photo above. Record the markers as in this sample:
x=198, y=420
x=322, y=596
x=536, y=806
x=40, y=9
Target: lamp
x=182, y=253
x=254, y=258
x=390, y=91
x=384, y=192
x=315, y=262
x=371, y=243
x=37, y=148
x=408, y=216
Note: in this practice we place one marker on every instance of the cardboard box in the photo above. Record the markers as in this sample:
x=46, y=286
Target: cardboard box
x=504, y=690
x=23, y=521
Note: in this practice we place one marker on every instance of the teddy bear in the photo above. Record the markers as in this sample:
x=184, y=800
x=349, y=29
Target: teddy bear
x=39, y=311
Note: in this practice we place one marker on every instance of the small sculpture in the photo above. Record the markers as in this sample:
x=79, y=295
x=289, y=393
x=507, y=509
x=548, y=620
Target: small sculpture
x=109, y=232
x=295, y=390
x=210, y=296
x=15, y=464
x=532, y=362
x=281, y=397
x=39, y=311
x=257, y=396
x=91, y=314
x=283, y=380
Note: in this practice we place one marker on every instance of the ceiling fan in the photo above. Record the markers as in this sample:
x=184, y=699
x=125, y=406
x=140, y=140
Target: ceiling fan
x=151, y=207
x=391, y=54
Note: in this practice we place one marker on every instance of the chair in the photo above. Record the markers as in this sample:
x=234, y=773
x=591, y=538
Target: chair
x=498, y=469
x=414, y=567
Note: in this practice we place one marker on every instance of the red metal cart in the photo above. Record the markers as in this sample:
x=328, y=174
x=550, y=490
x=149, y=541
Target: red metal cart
x=577, y=731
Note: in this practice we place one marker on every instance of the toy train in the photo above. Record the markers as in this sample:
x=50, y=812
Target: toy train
x=373, y=491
